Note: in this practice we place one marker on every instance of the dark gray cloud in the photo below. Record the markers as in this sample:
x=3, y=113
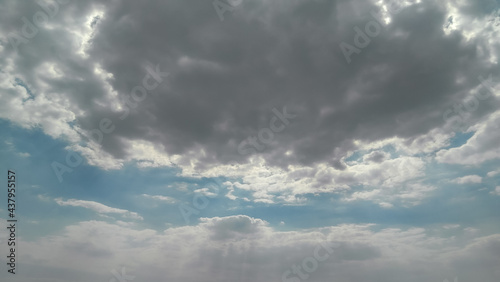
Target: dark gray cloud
x=227, y=76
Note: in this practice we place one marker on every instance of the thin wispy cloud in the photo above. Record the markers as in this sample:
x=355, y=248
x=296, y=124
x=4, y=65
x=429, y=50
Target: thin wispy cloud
x=98, y=208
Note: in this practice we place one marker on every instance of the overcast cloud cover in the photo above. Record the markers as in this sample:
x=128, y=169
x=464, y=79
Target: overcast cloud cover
x=234, y=140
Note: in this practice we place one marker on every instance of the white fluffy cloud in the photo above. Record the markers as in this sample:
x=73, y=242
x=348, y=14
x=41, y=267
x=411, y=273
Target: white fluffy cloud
x=481, y=147
x=496, y=191
x=247, y=249
x=468, y=179
x=273, y=184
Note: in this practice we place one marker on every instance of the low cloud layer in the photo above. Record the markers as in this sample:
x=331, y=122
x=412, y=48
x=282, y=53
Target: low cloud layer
x=242, y=248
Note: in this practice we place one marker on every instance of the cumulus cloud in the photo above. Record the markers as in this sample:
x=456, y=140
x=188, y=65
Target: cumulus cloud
x=481, y=147
x=468, y=179
x=496, y=191
x=369, y=128
x=246, y=248
x=223, y=82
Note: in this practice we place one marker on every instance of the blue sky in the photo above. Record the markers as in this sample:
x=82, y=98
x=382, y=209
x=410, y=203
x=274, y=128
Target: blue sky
x=204, y=141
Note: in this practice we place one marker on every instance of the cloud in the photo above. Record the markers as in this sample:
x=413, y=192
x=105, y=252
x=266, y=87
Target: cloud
x=370, y=130
x=410, y=194
x=222, y=86
x=98, y=207
x=481, y=147
x=493, y=173
x=169, y=200
x=376, y=156
x=24, y=155
x=468, y=179
x=397, y=176
x=44, y=198
x=242, y=247
x=496, y=191
x=206, y=192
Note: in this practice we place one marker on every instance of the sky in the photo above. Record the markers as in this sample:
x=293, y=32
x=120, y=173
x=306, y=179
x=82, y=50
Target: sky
x=250, y=140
